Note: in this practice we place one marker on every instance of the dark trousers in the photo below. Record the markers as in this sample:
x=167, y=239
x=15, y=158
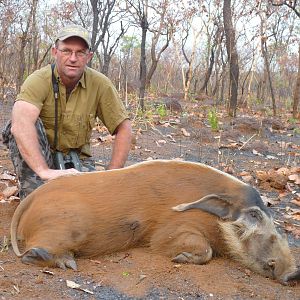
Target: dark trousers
x=28, y=179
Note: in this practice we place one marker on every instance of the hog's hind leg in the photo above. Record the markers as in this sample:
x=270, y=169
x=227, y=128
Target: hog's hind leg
x=42, y=257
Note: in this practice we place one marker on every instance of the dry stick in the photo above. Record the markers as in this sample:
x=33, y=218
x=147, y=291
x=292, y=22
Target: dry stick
x=155, y=129
x=248, y=141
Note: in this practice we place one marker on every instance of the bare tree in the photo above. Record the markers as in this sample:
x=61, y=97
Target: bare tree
x=190, y=59
x=297, y=91
x=140, y=8
x=265, y=54
x=23, y=43
x=218, y=36
x=296, y=8
x=232, y=57
x=164, y=28
x=292, y=4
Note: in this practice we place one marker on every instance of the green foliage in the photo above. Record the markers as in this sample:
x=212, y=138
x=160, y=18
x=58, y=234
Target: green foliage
x=296, y=131
x=146, y=114
x=213, y=119
x=292, y=120
x=161, y=110
x=129, y=42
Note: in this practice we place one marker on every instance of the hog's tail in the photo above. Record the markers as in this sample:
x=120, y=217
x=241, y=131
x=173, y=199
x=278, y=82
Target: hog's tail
x=15, y=223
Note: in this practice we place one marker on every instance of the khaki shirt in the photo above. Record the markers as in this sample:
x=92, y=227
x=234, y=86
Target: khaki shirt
x=94, y=96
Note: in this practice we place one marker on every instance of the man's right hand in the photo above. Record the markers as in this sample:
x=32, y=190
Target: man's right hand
x=51, y=174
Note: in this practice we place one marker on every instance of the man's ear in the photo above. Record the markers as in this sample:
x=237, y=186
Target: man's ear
x=89, y=56
x=53, y=51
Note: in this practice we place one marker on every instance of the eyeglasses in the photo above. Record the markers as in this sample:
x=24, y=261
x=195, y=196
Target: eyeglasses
x=68, y=53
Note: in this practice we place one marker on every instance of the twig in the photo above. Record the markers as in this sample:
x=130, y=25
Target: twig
x=248, y=141
x=155, y=129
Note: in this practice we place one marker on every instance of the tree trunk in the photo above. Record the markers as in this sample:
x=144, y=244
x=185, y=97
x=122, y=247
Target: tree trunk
x=297, y=91
x=106, y=62
x=232, y=57
x=143, y=65
x=209, y=71
x=267, y=66
x=155, y=59
x=21, y=69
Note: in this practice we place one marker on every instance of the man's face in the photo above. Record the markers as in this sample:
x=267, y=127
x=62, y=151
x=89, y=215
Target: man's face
x=71, y=57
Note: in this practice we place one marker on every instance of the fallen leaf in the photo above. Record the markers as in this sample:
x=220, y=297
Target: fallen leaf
x=269, y=201
x=296, y=201
x=185, y=133
x=171, y=138
x=295, y=170
x=47, y=272
x=293, y=229
x=106, y=138
x=96, y=261
x=247, y=178
x=271, y=157
x=10, y=191
x=6, y=176
x=142, y=277
x=256, y=152
x=295, y=178
x=229, y=170
x=244, y=173
x=177, y=266
x=283, y=171
x=73, y=285
x=262, y=175
x=162, y=141
x=296, y=215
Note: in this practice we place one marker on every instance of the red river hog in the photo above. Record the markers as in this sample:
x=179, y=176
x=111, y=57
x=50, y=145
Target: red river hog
x=186, y=211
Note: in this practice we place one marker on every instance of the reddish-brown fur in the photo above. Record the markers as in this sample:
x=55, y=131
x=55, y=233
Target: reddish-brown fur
x=97, y=213
x=103, y=212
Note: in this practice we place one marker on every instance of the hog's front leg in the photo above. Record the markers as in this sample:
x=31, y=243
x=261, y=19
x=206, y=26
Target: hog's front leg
x=184, y=245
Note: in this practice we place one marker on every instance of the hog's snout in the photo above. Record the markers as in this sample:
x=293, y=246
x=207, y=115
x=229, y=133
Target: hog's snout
x=290, y=277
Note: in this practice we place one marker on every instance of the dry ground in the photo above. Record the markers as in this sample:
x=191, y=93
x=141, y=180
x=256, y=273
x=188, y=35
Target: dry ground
x=251, y=147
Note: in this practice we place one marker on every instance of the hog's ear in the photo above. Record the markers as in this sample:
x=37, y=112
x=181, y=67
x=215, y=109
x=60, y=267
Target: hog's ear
x=252, y=216
x=218, y=205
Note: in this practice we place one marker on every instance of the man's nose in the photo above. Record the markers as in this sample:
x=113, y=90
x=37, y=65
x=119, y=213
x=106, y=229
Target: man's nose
x=73, y=56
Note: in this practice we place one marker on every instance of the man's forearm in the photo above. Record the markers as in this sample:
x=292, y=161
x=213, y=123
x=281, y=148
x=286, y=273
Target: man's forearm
x=27, y=141
x=121, y=146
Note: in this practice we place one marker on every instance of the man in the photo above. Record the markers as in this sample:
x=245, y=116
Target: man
x=84, y=94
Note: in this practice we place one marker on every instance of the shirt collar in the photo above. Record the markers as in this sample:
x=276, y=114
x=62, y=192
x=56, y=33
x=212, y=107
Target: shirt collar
x=81, y=80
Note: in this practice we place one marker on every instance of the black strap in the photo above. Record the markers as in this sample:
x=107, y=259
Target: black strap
x=56, y=93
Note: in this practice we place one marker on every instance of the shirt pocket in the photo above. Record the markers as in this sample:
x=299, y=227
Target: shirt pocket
x=76, y=130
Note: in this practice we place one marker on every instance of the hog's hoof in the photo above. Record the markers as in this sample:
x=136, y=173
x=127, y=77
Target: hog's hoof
x=190, y=258
x=41, y=257
x=37, y=256
x=66, y=261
